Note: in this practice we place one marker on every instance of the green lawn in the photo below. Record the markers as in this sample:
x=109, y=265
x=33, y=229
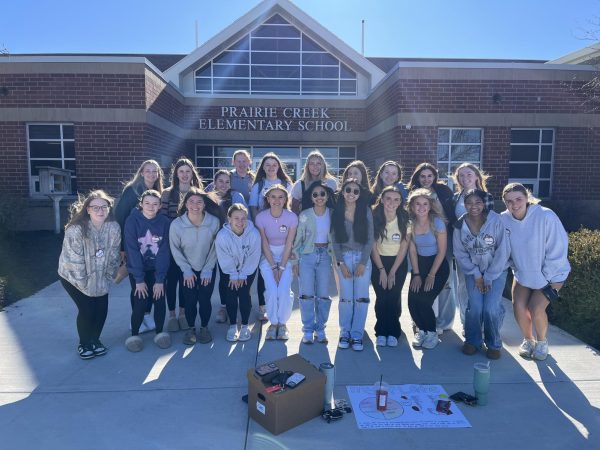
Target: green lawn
x=28, y=263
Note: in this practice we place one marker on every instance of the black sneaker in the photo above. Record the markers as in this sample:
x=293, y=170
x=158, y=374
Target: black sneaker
x=87, y=352
x=99, y=348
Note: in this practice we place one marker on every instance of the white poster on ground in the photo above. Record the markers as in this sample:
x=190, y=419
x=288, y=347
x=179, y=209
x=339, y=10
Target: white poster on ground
x=408, y=406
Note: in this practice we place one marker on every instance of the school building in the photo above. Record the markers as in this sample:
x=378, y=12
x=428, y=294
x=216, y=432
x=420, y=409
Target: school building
x=277, y=80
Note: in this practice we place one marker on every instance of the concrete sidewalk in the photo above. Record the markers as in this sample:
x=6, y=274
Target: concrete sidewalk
x=189, y=397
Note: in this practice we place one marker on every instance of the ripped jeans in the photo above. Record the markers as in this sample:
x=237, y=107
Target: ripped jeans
x=354, y=297
x=314, y=270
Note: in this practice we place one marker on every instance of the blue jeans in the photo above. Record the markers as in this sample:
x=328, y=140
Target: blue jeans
x=354, y=297
x=486, y=309
x=314, y=276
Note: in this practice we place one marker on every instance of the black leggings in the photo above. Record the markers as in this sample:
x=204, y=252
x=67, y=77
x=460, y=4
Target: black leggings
x=240, y=298
x=420, y=303
x=388, y=307
x=91, y=313
x=174, y=278
x=260, y=287
x=139, y=305
x=222, y=286
x=197, y=300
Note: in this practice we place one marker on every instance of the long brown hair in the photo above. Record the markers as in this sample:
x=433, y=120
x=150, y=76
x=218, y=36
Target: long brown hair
x=261, y=175
x=211, y=204
x=379, y=220
x=174, y=179
x=78, y=210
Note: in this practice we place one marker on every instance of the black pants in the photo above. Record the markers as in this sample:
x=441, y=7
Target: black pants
x=260, y=287
x=174, y=278
x=222, y=286
x=91, y=313
x=139, y=305
x=388, y=306
x=240, y=298
x=197, y=300
x=420, y=303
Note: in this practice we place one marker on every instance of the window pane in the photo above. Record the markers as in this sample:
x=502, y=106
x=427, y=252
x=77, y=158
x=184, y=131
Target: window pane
x=70, y=164
x=242, y=44
x=202, y=150
x=525, y=136
x=308, y=45
x=276, y=71
x=443, y=152
x=223, y=163
x=204, y=162
x=545, y=170
x=320, y=72
x=44, y=131
x=275, y=58
x=228, y=84
x=206, y=174
x=319, y=59
x=442, y=170
x=68, y=132
x=226, y=152
x=523, y=171
x=203, y=71
x=546, y=153
x=547, y=136
x=232, y=57
x=544, y=189
x=284, y=45
x=524, y=152
x=348, y=152
x=465, y=153
x=348, y=86
x=470, y=136
x=283, y=152
x=203, y=84
x=443, y=136
x=345, y=72
x=319, y=86
x=69, y=149
x=276, y=19
x=276, y=31
x=275, y=85
x=44, y=149
x=230, y=70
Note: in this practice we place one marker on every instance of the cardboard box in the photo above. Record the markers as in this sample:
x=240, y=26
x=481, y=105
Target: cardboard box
x=280, y=411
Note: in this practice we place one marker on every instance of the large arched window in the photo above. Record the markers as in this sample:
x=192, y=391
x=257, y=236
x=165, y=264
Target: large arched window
x=275, y=58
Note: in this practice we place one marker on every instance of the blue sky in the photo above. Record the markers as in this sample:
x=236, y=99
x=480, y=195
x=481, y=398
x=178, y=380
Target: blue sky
x=524, y=29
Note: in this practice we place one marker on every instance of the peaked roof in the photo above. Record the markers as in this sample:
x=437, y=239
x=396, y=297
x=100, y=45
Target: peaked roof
x=587, y=55
x=255, y=17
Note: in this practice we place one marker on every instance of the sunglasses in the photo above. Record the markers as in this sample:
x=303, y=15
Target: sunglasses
x=319, y=194
x=352, y=191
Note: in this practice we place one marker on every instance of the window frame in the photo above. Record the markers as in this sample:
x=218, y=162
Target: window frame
x=33, y=179
x=450, y=162
x=534, y=182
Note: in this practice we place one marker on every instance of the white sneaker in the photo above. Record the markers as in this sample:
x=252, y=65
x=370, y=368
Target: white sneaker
x=271, y=333
x=308, y=338
x=149, y=322
x=381, y=341
x=232, y=334
x=540, y=351
x=392, y=341
x=526, y=348
x=419, y=338
x=431, y=340
x=245, y=334
x=322, y=337
x=282, y=333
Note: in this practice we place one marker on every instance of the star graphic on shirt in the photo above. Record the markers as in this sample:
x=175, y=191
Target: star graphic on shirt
x=148, y=242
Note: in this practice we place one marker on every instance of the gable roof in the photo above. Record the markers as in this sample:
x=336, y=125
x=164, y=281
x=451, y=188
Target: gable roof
x=587, y=55
x=255, y=17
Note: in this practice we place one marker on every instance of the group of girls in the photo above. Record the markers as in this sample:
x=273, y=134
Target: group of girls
x=173, y=238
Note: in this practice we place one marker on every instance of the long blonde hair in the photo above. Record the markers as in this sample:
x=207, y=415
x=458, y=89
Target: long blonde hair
x=307, y=177
x=482, y=177
x=137, y=181
x=435, y=210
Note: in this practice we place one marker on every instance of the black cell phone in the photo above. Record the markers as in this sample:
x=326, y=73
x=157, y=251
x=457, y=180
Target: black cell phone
x=265, y=369
x=465, y=398
x=550, y=293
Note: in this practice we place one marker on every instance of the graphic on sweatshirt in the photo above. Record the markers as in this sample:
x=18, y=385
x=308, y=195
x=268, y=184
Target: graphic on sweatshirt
x=149, y=245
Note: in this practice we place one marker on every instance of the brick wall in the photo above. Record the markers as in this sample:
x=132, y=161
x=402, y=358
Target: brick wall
x=14, y=160
x=160, y=101
x=73, y=91
x=476, y=96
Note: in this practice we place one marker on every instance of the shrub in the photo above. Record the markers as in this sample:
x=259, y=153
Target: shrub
x=11, y=212
x=578, y=310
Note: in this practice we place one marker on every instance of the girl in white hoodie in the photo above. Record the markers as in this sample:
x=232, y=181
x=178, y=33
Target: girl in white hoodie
x=238, y=246
x=539, y=246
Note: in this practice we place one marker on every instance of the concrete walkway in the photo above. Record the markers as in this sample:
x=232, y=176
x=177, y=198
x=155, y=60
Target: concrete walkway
x=189, y=397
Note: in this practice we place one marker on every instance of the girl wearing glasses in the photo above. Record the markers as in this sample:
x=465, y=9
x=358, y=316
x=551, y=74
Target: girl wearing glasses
x=88, y=263
x=277, y=226
x=312, y=262
x=352, y=226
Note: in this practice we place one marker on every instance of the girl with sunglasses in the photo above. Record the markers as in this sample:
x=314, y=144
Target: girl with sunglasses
x=352, y=226
x=312, y=263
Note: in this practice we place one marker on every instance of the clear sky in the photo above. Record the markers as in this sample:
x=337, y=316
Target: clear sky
x=523, y=29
